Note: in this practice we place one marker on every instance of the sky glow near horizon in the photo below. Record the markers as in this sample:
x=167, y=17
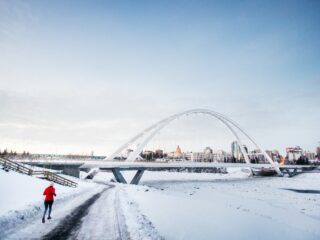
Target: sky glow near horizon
x=82, y=76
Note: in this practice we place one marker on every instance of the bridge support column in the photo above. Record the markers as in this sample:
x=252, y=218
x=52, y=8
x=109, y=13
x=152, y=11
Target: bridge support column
x=295, y=172
x=119, y=177
x=290, y=173
x=135, y=180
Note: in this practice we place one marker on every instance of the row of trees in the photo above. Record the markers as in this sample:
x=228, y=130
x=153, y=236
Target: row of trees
x=11, y=153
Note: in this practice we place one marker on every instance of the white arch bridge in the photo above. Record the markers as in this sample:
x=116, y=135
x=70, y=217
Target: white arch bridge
x=144, y=137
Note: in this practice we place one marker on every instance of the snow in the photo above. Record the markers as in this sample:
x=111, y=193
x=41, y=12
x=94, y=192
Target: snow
x=237, y=208
x=96, y=222
x=150, y=177
x=137, y=223
x=168, y=205
x=21, y=197
x=20, y=191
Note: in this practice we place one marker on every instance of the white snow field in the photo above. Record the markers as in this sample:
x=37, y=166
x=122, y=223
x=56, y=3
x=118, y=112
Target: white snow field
x=166, y=205
x=229, y=206
x=19, y=192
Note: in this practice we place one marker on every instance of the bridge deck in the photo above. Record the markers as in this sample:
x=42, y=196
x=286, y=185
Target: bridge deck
x=104, y=165
x=140, y=167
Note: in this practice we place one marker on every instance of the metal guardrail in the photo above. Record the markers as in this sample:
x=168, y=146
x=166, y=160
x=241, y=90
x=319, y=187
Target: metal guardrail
x=11, y=165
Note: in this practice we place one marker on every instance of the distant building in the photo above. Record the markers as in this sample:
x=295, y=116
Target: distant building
x=220, y=156
x=158, y=153
x=148, y=155
x=194, y=156
x=256, y=156
x=208, y=154
x=310, y=155
x=176, y=154
x=293, y=153
x=236, y=151
x=208, y=150
x=274, y=155
x=318, y=152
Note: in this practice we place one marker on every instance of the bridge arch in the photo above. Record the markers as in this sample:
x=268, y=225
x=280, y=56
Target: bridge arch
x=151, y=131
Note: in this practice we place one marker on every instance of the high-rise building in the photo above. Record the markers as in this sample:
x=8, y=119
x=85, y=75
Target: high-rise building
x=235, y=150
x=208, y=154
x=318, y=151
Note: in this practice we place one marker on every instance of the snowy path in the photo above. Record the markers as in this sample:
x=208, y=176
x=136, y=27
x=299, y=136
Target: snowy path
x=97, y=218
x=71, y=223
x=97, y=215
x=104, y=220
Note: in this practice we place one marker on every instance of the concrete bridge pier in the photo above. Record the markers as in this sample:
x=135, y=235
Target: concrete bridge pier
x=120, y=179
x=291, y=172
x=136, y=179
x=118, y=176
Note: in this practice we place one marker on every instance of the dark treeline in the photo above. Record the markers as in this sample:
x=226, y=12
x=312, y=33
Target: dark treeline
x=12, y=153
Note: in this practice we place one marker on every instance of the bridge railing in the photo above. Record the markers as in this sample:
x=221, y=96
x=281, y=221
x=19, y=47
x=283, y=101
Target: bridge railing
x=55, y=178
x=11, y=165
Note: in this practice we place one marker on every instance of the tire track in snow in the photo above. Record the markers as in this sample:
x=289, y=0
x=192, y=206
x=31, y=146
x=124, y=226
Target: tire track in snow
x=105, y=219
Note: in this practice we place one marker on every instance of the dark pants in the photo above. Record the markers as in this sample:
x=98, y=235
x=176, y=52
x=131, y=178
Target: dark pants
x=47, y=204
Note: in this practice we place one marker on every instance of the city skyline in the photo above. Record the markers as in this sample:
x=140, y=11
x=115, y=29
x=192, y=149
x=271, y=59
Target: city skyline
x=89, y=76
x=232, y=151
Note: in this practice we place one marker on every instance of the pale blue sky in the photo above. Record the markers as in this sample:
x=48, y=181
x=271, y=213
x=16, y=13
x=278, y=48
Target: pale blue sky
x=77, y=76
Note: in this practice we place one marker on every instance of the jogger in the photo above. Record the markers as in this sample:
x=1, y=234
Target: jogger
x=49, y=192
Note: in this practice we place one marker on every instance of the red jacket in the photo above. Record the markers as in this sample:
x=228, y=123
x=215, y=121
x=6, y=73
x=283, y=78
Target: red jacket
x=49, y=192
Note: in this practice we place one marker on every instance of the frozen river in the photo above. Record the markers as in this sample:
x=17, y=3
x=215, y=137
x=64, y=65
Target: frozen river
x=260, y=208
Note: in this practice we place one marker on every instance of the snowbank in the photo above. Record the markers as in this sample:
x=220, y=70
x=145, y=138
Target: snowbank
x=21, y=197
x=21, y=191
